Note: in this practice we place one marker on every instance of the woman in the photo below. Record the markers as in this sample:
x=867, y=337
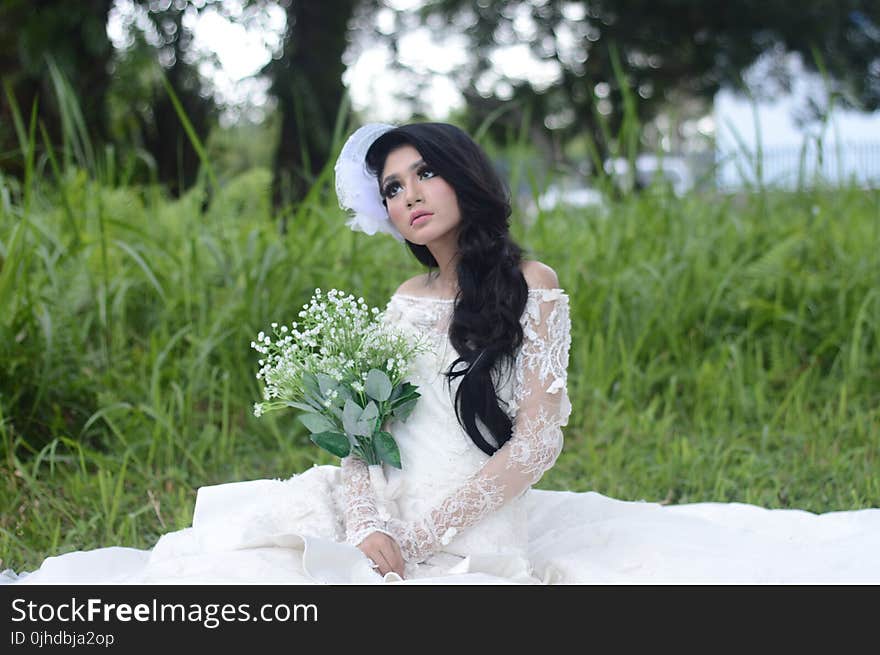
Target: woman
x=441, y=194
x=487, y=426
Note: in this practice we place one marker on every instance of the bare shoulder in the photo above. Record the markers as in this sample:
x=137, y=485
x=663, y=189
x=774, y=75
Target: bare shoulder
x=415, y=286
x=539, y=276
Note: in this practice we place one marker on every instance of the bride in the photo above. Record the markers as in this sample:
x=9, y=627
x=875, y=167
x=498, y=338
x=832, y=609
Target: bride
x=488, y=425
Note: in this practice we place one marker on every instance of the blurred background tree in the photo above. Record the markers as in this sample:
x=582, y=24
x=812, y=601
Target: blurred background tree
x=307, y=83
x=74, y=36
x=673, y=57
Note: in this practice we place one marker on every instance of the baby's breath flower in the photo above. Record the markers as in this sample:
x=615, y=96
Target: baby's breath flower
x=336, y=335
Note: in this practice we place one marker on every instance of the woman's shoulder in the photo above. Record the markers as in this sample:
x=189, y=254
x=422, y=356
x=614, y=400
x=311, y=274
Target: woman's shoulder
x=416, y=286
x=538, y=275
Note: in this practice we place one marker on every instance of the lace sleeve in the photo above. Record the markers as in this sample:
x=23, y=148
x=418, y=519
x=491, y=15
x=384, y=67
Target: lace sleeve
x=362, y=515
x=542, y=409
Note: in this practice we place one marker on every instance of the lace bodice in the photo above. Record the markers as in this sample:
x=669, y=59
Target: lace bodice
x=447, y=484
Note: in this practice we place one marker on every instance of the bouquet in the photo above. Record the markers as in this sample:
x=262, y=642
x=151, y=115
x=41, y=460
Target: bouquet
x=343, y=368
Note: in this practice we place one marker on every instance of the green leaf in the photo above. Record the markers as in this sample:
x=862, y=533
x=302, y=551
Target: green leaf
x=302, y=406
x=310, y=384
x=326, y=384
x=403, y=410
x=378, y=386
x=408, y=392
x=405, y=399
x=317, y=422
x=370, y=413
x=312, y=392
x=386, y=448
x=333, y=442
x=401, y=390
x=351, y=420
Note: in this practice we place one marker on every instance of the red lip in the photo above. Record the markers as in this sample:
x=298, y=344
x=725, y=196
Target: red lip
x=416, y=214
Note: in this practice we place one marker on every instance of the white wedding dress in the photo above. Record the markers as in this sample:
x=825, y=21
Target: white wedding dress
x=462, y=517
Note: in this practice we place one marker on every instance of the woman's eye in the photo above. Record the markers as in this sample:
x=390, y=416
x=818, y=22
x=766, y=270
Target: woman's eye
x=392, y=188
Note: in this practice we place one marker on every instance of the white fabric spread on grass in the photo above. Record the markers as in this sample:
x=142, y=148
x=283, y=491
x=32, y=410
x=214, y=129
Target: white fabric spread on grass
x=472, y=519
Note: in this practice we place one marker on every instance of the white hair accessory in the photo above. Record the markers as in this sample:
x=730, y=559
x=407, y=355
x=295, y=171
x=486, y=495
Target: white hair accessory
x=358, y=190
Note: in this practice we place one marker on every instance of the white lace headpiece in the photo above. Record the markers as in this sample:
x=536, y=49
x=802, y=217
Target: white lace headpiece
x=358, y=190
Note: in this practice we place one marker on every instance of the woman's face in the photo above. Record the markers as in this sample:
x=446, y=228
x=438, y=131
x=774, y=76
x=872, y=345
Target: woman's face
x=410, y=189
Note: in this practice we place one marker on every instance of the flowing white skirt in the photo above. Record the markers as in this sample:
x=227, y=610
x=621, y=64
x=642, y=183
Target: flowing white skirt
x=289, y=532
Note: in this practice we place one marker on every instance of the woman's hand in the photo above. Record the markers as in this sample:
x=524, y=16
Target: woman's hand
x=384, y=551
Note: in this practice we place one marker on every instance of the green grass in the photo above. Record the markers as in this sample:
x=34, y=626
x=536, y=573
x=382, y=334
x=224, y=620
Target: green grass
x=724, y=348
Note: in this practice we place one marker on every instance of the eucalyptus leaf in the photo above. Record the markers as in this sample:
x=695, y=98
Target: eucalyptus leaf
x=310, y=385
x=377, y=386
x=326, y=384
x=342, y=394
x=303, y=406
x=350, y=415
x=370, y=413
x=386, y=448
x=317, y=423
x=333, y=442
x=352, y=420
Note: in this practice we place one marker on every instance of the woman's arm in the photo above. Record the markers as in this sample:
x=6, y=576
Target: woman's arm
x=364, y=522
x=542, y=410
x=361, y=511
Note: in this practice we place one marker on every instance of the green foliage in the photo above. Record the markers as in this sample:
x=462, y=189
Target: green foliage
x=725, y=348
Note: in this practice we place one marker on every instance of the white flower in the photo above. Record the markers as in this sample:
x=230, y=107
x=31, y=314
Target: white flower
x=258, y=410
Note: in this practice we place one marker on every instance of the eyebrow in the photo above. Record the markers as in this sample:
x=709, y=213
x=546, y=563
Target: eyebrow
x=393, y=176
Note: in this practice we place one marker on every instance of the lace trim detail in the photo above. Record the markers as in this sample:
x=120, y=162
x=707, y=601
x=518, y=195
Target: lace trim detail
x=542, y=408
x=361, y=511
x=544, y=354
x=537, y=446
x=480, y=497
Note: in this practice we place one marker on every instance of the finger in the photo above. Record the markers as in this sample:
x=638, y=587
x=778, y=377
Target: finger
x=382, y=561
x=398, y=557
x=395, y=559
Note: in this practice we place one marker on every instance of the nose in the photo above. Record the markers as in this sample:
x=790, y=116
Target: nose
x=413, y=195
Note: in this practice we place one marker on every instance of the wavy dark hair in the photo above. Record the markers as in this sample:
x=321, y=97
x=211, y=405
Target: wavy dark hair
x=485, y=328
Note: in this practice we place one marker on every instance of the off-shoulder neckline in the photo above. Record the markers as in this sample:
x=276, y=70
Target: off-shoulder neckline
x=448, y=300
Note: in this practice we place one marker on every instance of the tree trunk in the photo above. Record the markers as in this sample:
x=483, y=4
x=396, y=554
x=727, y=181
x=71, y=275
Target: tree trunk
x=177, y=161
x=307, y=81
x=75, y=36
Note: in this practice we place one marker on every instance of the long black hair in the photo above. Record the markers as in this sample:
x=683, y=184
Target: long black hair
x=492, y=292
